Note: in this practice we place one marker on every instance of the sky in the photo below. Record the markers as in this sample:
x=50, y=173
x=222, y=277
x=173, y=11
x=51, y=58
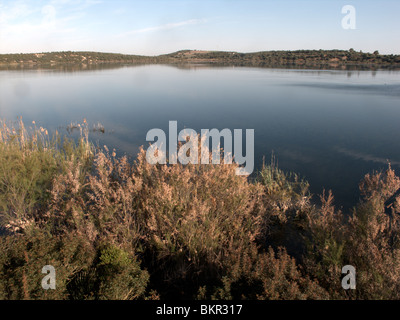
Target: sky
x=152, y=27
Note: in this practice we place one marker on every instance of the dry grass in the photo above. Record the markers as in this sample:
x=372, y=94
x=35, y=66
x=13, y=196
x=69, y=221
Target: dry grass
x=120, y=230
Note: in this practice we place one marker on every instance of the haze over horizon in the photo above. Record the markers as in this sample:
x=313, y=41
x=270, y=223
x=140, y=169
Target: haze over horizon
x=158, y=27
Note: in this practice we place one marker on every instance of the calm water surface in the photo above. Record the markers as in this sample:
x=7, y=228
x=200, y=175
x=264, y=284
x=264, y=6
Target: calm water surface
x=331, y=127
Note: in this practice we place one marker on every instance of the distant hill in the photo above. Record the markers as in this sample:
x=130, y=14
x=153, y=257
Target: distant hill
x=307, y=58
x=69, y=57
x=320, y=59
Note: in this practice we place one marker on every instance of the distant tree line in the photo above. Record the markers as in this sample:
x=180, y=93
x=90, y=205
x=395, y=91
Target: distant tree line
x=69, y=57
x=298, y=58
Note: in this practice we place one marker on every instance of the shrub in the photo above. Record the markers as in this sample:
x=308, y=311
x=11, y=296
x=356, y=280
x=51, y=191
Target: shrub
x=29, y=161
x=286, y=199
x=374, y=246
x=23, y=258
x=325, y=238
x=113, y=275
x=194, y=217
x=369, y=241
x=265, y=275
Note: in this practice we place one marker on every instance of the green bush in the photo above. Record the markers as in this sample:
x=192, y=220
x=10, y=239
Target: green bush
x=113, y=275
x=23, y=258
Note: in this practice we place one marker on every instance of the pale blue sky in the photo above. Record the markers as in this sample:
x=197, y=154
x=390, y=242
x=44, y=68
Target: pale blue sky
x=154, y=27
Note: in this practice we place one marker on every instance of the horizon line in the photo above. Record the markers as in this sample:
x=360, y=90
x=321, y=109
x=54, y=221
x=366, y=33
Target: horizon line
x=200, y=50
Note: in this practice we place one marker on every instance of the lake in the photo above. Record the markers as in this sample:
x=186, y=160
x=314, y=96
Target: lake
x=331, y=127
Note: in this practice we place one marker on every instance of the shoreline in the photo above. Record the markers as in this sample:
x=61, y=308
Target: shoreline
x=300, y=59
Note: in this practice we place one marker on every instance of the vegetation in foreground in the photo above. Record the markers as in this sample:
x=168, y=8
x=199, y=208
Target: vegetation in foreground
x=117, y=230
